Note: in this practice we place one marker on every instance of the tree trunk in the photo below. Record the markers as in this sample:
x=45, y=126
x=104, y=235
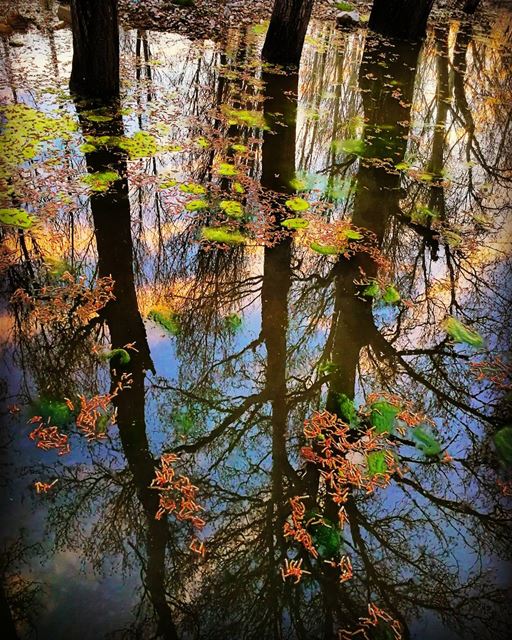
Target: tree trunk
x=95, y=71
x=403, y=19
x=286, y=32
x=470, y=6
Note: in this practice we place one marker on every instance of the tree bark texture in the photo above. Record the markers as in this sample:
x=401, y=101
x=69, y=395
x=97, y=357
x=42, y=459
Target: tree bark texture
x=403, y=19
x=286, y=32
x=95, y=70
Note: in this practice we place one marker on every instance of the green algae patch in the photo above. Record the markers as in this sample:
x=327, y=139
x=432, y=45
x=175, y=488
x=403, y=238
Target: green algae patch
x=25, y=130
x=141, y=145
x=17, y=218
x=167, y=319
x=223, y=235
x=376, y=463
x=232, y=208
x=459, y=332
x=100, y=181
x=119, y=356
x=51, y=410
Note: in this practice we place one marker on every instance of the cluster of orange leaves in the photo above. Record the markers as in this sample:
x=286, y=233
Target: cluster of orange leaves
x=44, y=487
x=178, y=496
x=73, y=298
x=48, y=437
x=337, y=455
x=92, y=410
x=375, y=615
x=293, y=569
x=297, y=528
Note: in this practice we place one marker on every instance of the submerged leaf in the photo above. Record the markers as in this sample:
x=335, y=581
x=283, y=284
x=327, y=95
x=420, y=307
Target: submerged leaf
x=461, y=333
x=503, y=442
x=425, y=442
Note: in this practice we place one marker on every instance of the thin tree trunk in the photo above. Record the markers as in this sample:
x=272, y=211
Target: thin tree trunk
x=403, y=19
x=95, y=70
x=286, y=32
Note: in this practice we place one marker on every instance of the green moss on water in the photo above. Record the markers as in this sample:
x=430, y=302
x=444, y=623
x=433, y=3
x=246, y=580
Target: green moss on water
x=223, y=235
x=17, y=218
x=167, y=319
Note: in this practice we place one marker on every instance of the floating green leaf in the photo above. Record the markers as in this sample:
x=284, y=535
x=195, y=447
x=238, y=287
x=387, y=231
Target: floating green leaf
x=240, y=148
x=461, y=333
x=167, y=183
x=16, y=218
x=222, y=234
x=390, y=295
x=232, y=208
x=372, y=290
x=503, y=442
x=237, y=187
x=344, y=6
x=376, y=462
x=167, y=319
x=325, y=249
x=141, y=145
x=297, y=204
x=100, y=181
x=192, y=187
x=352, y=234
x=87, y=147
x=226, y=169
x=202, y=142
x=196, y=205
x=425, y=442
x=295, y=223
x=383, y=415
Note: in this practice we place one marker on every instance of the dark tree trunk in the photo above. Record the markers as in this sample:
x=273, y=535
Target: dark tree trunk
x=286, y=32
x=470, y=6
x=95, y=71
x=404, y=19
